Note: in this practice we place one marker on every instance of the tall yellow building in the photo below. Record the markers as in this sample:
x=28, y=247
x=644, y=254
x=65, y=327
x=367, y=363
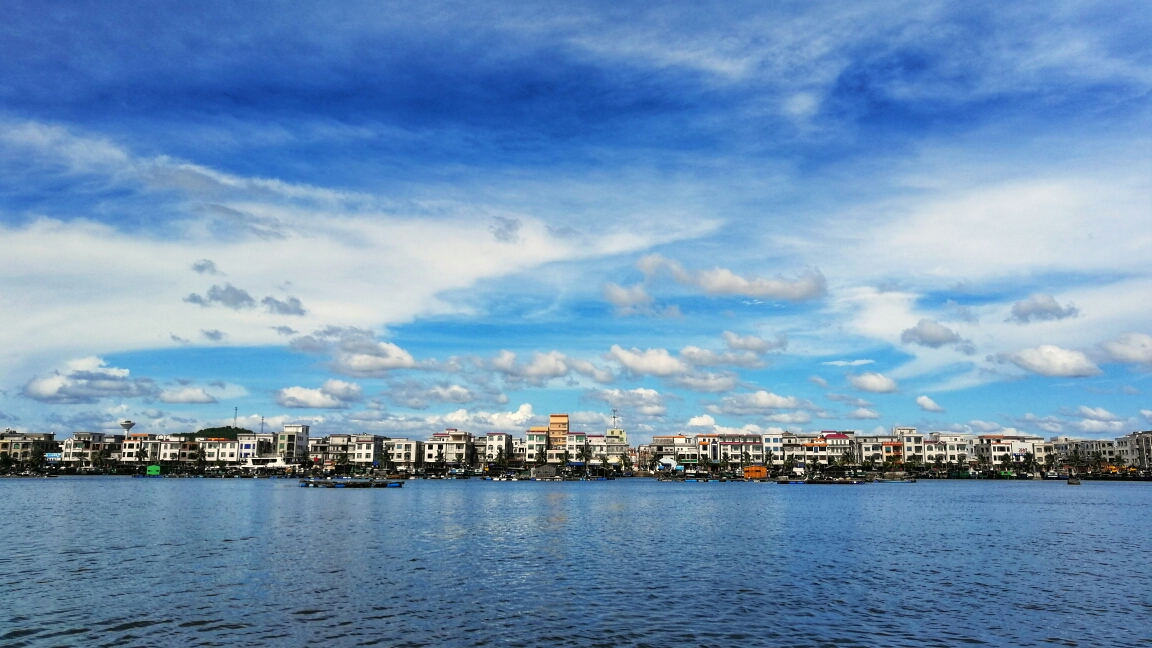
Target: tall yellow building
x=557, y=430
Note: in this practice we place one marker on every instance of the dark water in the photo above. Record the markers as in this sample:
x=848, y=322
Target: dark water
x=120, y=561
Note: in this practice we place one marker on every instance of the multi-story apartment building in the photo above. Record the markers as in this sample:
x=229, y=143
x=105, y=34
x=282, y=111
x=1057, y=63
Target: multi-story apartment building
x=1003, y=450
x=407, y=454
x=519, y=451
x=773, y=449
x=258, y=444
x=557, y=431
x=22, y=446
x=1136, y=449
x=140, y=448
x=536, y=444
x=959, y=449
x=675, y=448
x=219, y=450
x=87, y=448
x=494, y=447
x=912, y=444
x=292, y=443
x=452, y=447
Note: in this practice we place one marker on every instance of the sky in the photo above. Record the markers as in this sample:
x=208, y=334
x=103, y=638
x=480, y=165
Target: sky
x=394, y=218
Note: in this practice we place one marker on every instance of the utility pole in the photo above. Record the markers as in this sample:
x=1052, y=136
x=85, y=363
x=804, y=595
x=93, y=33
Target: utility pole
x=235, y=412
x=261, y=425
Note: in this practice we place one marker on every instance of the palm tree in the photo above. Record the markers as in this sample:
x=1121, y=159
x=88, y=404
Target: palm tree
x=201, y=459
x=585, y=457
x=5, y=462
x=705, y=463
x=626, y=461
x=769, y=458
x=604, y=467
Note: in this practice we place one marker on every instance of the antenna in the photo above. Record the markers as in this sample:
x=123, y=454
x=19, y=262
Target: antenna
x=614, y=417
x=235, y=412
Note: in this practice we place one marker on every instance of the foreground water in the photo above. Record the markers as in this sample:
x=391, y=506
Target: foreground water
x=120, y=561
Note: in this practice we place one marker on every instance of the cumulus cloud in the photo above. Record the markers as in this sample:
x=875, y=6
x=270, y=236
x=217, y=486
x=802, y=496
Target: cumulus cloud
x=1040, y=307
x=333, y=394
x=227, y=296
x=752, y=343
x=863, y=413
x=933, y=334
x=1093, y=426
x=290, y=306
x=646, y=402
x=87, y=381
x=847, y=363
x=546, y=366
x=358, y=353
x=205, y=266
x=1134, y=348
x=789, y=418
x=851, y=401
x=1147, y=414
x=504, y=421
x=706, y=381
x=417, y=395
x=873, y=382
x=985, y=426
x=1096, y=414
x=759, y=402
x=709, y=358
x=655, y=362
x=1053, y=361
x=1046, y=423
x=186, y=395
x=928, y=405
x=628, y=300
x=721, y=281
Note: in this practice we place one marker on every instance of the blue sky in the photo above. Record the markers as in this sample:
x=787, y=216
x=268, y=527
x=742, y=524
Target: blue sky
x=396, y=218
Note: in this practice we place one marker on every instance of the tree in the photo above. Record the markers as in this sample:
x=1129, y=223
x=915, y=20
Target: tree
x=626, y=461
x=201, y=458
x=501, y=460
x=745, y=459
x=36, y=460
x=789, y=465
x=5, y=462
x=585, y=456
x=541, y=455
x=440, y=461
x=769, y=460
x=604, y=466
x=705, y=463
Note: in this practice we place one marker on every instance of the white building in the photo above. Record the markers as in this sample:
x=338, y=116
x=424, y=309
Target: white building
x=452, y=447
x=406, y=454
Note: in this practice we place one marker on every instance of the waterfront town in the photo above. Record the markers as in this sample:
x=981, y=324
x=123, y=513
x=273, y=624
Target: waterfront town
x=556, y=450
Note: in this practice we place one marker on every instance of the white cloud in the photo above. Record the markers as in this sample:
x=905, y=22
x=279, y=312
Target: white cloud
x=759, y=402
x=1092, y=426
x=85, y=381
x=847, y=363
x=873, y=382
x=628, y=300
x=1096, y=414
x=1130, y=347
x=863, y=413
x=1051, y=360
x=1040, y=307
x=721, y=281
x=706, y=381
x=186, y=395
x=817, y=380
x=709, y=358
x=851, y=401
x=1046, y=424
x=703, y=420
x=333, y=394
x=1147, y=414
x=477, y=421
x=985, y=426
x=928, y=405
x=933, y=334
x=646, y=402
x=547, y=366
x=752, y=343
x=369, y=263
x=656, y=362
x=789, y=418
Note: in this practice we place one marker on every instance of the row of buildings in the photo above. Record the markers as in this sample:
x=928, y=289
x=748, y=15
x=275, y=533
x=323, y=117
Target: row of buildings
x=557, y=444
x=904, y=446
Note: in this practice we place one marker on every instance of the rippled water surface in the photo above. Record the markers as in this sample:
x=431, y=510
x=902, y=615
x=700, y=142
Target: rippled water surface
x=121, y=561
